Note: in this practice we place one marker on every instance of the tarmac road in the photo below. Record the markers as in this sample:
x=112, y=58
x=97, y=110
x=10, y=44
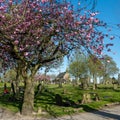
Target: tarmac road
x=109, y=113
x=112, y=113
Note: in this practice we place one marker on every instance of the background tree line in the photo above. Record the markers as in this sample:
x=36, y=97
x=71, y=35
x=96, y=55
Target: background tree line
x=87, y=68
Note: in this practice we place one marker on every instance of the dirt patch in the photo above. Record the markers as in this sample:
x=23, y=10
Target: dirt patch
x=8, y=115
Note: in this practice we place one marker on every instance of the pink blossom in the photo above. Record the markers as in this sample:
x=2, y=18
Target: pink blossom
x=96, y=20
x=93, y=14
x=108, y=61
x=16, y=42
x=75, y=32
x=100, y=47
x=44, y=1
x=78, y=22
x=91, y=26
x=2, y=1
x=99, y=51
x=27, y=45
x=10, y=2
x=57, y=30
x=101, y=37
x=91, y=19
x=21, y=49
x=42, y=30
x=88, y=36
x=38, y=42
x=26, y=54
x=2, y=16
x=2, y=8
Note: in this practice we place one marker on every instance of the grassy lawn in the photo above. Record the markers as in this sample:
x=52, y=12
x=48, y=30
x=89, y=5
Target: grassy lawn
x=46, y=99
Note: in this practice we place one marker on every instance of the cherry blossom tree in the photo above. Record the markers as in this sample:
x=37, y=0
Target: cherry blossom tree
x=42, y=77
x=38, y=32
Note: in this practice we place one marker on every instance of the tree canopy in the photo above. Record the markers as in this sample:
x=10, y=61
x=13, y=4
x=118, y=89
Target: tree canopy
x=109, y=66
x=37, y=32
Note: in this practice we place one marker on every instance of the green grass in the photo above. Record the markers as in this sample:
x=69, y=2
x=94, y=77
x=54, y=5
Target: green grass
x=46, y=99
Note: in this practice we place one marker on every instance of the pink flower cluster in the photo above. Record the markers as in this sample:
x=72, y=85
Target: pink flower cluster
x=36, y=32
x=44, y=1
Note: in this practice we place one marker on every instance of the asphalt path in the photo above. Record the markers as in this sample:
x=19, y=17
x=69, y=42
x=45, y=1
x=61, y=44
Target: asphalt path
x=107, y=113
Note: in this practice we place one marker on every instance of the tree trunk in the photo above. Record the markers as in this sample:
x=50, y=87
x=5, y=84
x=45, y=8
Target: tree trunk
x=84, y=84
x=60, y=84
x=94, y=82
x=17, y=81
x=13, y=89
x=28, y=101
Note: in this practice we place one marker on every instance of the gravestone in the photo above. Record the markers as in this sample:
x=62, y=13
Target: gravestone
x=58, y=100
x=86, y=98
x=97, y=98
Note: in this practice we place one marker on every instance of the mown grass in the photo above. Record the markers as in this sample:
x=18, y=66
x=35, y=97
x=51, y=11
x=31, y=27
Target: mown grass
x=46, y=99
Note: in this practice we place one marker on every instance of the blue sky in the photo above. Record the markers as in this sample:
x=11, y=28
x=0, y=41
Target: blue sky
x=110, y=13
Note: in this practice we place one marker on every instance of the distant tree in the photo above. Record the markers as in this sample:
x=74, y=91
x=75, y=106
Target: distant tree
x=42, y=78
x=95, y=68
x=78, y=68
x=10, y=75
x=52, y=76
x=109, y=68
x=119, y=78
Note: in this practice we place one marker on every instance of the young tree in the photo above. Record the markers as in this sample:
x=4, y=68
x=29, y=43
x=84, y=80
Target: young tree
x=34, y=33
x=95, y=68
x=109, y=68
x=79, y=69
x=119, y=78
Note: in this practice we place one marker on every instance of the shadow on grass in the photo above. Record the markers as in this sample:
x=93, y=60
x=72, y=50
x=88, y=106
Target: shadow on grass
x=9, y=101
x=87, y=108
x=105, y=88
x=47, y=99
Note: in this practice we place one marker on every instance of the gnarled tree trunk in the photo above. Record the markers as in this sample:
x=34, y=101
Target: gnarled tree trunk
x=28, y=102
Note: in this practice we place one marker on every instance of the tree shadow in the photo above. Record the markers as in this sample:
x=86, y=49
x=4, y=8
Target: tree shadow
x=9, y=100
x=106, y=114
x=101, y=113
x=105, y=88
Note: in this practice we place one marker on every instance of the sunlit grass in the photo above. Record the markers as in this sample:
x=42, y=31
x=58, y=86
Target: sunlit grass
x=46, y=99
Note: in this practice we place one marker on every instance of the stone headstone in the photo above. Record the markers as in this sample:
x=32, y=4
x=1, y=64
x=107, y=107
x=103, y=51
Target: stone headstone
x=58, y=100
x=86, y=98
